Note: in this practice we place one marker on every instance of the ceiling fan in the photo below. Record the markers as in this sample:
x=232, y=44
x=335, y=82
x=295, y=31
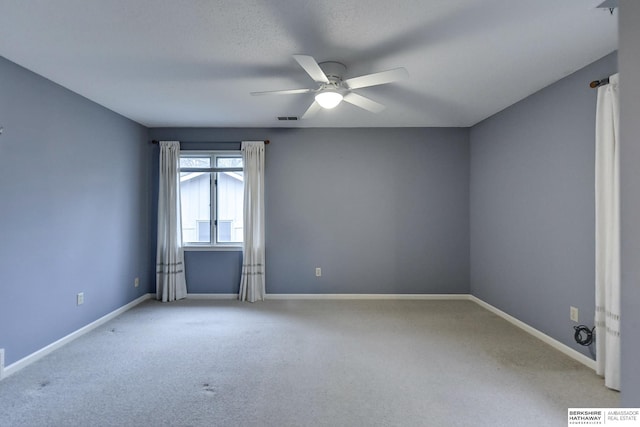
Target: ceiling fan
x=333, y=89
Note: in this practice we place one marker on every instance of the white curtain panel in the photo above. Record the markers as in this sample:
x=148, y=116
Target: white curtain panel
x=252, y=282
x=608, y=235
x=170, y=278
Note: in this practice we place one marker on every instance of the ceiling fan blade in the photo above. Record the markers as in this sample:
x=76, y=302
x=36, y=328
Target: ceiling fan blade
x=282, y=92
x=312, y=110
x=375, y=79
x=312, y=68
x=363, y=102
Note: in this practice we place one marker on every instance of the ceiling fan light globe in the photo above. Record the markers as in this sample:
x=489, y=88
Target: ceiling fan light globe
x=328, y=99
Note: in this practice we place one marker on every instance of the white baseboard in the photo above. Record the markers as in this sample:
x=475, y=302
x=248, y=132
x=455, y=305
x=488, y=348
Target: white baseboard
x=217, y=296
x=212, y=296
x=367, y=296
x=25, y=361
x=576, y=355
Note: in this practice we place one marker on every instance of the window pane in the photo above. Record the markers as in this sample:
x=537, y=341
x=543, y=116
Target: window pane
x=230, y=202
x=195, y=162
x=229, y=162
x=204, y=231
x=224, y=231
x=195, y=195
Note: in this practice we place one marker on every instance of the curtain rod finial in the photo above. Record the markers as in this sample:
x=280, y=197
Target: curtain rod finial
x=597, y=83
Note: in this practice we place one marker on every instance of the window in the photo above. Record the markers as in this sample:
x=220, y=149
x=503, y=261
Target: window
x=212, y=196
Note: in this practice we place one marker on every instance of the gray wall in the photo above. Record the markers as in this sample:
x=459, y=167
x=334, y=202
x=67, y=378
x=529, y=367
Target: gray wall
x=379, y=210
x=74, y=191
x=532, y=205
x=630, y=198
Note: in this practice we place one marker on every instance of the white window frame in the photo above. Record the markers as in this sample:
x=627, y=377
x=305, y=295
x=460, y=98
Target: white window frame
x=213, y=244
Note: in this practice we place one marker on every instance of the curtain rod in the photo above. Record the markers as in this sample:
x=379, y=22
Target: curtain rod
x=597, y=83
x=155, y=141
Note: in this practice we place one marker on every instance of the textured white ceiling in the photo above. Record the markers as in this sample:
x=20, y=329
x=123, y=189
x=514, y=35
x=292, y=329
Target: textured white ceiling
x=194, y=62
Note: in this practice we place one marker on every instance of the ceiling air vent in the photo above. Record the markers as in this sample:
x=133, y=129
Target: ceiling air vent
x=287, y=118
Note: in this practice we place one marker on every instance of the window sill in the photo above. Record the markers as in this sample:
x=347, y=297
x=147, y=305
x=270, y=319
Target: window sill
x=212, y=248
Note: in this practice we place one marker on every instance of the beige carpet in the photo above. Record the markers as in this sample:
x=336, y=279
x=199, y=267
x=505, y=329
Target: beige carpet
x=302, y=363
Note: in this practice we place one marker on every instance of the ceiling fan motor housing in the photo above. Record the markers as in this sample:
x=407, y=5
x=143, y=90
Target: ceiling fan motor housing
x=333, y=70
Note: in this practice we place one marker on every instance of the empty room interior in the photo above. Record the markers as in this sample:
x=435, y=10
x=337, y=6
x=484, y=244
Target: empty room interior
x=432, y=250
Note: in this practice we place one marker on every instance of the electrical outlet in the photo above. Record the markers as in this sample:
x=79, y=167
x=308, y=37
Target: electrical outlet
x=80, y=298
x=136, y=282
x=573, y=314
x=318, y=272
